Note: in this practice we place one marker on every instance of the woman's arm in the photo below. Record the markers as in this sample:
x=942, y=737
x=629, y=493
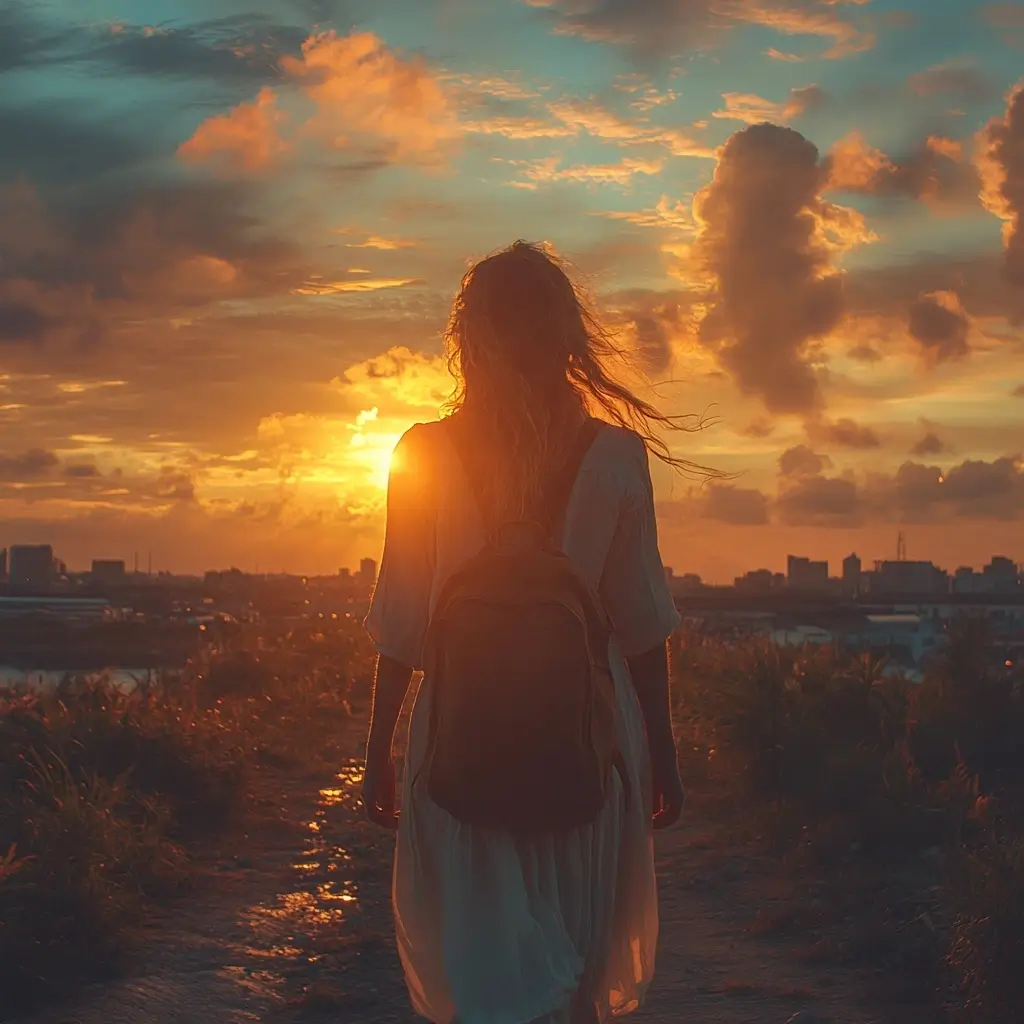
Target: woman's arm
x=390, y=686
x=650, y=674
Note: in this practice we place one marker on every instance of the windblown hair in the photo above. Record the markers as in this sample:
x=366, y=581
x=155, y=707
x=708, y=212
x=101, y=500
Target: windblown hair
x=530, y=359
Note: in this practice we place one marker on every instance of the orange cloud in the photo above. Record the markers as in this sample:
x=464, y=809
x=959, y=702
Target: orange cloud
x=602, y=123
x=855, y=165
x=817, y=20
x=367, y=95
x=361, y=284
x=537, y=172
x=753, y=109
x=247, y=138
x=1001, y=165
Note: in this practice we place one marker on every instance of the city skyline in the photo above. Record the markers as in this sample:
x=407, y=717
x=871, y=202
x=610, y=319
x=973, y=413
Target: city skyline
x=230, y=234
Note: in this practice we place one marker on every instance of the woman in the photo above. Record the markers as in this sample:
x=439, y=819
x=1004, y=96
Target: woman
x=493, y=927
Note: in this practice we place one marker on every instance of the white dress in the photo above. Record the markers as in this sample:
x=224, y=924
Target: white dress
x=493, y=929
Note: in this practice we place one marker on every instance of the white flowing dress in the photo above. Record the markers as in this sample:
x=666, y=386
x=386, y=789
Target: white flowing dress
x=494, y=929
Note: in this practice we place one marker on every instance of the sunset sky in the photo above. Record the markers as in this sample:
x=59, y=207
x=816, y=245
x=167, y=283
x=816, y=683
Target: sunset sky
x=230, y=233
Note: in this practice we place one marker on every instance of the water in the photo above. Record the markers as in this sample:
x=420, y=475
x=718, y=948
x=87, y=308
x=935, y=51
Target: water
x=127, y=680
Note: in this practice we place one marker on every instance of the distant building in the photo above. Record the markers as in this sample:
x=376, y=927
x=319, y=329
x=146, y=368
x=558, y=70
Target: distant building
x=851, y=575
x=32, y=566
x=107, y=570
x=760, y=581
x=3, y=563
x=1002, y=572
x=805, y=574
x=669, y=575
x=909, y=578
x=688, y=583
x=345, y=575
x=367, y=571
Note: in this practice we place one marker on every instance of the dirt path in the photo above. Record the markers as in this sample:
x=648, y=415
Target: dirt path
x=290, y=922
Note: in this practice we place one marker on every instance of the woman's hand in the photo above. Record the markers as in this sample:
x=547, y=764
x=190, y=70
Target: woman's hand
x=379, y=791
x=668, y=794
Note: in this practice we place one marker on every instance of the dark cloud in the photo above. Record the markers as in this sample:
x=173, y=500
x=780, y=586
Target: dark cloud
x=79, y=266
x=30, y=465
x=647, y=27
x=760, y=238
x=739, y=506
x=1002, y=167
x=26, y=40
x=801, y=461
x=81, y=471
x=939, y=323
x=821, y=501
x=245, y=49
x=21, y=322
x=930, y=444
x=889, y=290
x=845, y=433
x=658, y=28
x=46, y=143
x=974, y=489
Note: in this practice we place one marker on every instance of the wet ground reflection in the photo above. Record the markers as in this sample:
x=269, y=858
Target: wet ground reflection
x=318, y=928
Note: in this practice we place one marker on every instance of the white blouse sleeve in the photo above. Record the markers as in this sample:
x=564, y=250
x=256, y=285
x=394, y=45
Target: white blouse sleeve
x=633, y=586
x=400, y=607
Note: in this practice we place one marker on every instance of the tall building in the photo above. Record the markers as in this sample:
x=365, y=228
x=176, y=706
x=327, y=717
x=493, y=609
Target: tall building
x=368, y=571
x=1002, y=573
x=908, y=579
x=805, y=574
x=3, y=563
x=851, y=575
x=32, y=566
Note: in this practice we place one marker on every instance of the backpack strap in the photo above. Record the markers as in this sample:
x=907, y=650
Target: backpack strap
x=561, y=490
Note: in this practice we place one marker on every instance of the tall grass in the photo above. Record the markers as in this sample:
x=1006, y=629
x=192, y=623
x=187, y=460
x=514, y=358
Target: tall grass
x=909, y=796
x=102, y=792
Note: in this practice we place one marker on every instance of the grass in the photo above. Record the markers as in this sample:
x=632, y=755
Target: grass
x=904, y=799
x=103, y=793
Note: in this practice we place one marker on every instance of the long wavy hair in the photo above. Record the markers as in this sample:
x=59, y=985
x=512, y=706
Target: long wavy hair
x=531, y=359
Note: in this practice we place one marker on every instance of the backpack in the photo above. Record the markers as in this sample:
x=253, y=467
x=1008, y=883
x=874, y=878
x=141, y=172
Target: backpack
x=523, y=713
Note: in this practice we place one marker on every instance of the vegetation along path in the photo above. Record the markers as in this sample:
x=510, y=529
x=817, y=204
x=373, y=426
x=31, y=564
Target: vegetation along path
x=289, y=921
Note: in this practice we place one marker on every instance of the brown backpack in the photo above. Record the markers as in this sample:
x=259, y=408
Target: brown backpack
x=523, y=715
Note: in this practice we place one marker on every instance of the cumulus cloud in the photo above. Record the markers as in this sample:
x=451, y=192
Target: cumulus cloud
x=367, y=99
x=1001, y=163
x=934, y=171
x=802, y=461
x=939, y=323
x=247, y=138
x=766, y=241
x=739, y=506
x=368, y=96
